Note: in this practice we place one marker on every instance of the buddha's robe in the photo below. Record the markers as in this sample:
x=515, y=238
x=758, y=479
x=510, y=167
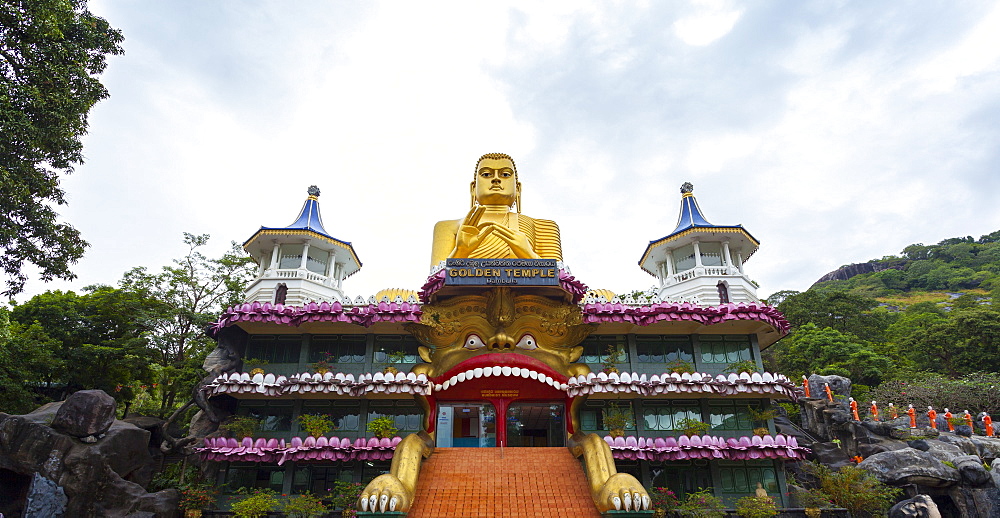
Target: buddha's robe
x=543, y=234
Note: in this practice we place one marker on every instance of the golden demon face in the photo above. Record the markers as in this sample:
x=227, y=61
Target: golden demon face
x=524, y=336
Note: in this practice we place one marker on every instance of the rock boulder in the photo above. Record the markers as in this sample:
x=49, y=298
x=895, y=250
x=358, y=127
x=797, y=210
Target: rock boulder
x=910, y=466
x=85, y=413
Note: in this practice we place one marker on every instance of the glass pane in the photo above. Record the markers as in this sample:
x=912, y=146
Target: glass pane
x=289, y=257
x=317, y=261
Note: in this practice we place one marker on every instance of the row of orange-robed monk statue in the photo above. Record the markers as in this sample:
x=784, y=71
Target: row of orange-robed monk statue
x=911, y=412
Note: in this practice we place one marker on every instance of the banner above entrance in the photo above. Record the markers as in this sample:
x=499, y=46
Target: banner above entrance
x=501, y=272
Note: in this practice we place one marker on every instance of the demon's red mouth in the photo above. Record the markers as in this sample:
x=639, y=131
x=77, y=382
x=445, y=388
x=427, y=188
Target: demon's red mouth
x=500, y=369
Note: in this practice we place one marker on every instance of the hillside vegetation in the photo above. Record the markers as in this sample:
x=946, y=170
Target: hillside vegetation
x=933, y=312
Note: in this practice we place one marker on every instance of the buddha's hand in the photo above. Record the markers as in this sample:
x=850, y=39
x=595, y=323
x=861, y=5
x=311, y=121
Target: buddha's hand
x=622, y=492
x=518, y=241
x=469, y=234
x=385, y=493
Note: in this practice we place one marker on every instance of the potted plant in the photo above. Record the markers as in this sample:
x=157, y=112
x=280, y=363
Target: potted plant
x=305, y=505
x=617, y=419
x=663, y=501
x=690, y=427
x=316, y=425
x=383, y=427
x=344, y=496
x=195, y=497
x=255, y=503
x=393, y=358
x=756, y=507
x=324, y=365
x=742, y=366
x=702, y=504
x=611, y=358
x=240, y=426
x=253, y=365
x=680, y=366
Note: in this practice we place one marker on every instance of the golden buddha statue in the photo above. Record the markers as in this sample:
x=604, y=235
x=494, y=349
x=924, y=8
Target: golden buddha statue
x=491, y=230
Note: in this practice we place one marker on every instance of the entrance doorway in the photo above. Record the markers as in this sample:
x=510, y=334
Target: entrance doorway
x=533, y=423
x=466, y=425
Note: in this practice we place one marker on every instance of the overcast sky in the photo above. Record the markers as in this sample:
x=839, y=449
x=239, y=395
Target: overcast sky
x=835, y=132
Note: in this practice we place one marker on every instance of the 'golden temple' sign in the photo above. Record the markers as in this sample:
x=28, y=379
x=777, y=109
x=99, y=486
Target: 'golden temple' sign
x=501, y=272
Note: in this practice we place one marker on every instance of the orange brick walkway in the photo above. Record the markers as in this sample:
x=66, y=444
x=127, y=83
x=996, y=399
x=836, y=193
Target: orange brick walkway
x=526, y=482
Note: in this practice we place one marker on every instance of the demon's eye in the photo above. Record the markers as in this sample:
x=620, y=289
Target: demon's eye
x=527, y=342
x=474, y=342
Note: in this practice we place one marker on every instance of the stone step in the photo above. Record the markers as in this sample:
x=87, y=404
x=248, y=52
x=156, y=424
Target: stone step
x=517, y=482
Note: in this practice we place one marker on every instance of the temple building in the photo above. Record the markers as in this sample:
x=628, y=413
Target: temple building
x=502, y=354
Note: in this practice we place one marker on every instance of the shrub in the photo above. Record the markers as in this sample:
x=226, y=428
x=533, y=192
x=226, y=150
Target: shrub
x=854, y=489
x=680, y=366
x=345, y=495
x=976, y=392
x=742, y=366
x=240, y=426
x=702, y=504
x=254, y=504
x=304, y=506
x=383, y=427
x=197, y=496
x=691, y=427
x=617, y=419
x=663, y=499
x=316, y=425
x=756, y=507
x=611, y=358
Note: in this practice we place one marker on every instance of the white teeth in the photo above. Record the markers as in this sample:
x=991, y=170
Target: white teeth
x=487, y=372
x=525, y=373
x=516, y=371
x=477, y=372
x=533, y=375
x=438, y=387
x=497, y=370
x=543, y=378
x=460, y=377
x=506, y=370
x=563, y=386
x=445, y=385
x=454, y=380
x=469, y=374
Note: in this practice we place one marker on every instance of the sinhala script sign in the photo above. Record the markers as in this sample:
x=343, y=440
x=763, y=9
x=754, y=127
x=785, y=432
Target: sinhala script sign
x=501, y=272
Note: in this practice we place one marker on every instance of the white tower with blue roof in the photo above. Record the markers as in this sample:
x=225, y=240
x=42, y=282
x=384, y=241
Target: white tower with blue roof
x=302, y=262
x=700, y=262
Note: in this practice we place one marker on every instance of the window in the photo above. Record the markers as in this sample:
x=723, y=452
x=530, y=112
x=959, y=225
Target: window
x=289, y=257
x=595, y=348
x=724, y=349
x=318, y=479
x=275, y=416
x=254, y=475
x=730, y=415
x=317, y=260
x=389, y=344
x=592, y=415
x=684, y=258
x=407, y=416
x=723, y=293
x=667, y=416
x=274, y=348
x=681, y=477
x=663, y=348
x=346, y=414
x=337, y=348
x=742, y=477
x=711, y=254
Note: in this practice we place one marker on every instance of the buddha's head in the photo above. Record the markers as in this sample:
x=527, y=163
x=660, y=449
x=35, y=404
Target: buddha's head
x=495, y=181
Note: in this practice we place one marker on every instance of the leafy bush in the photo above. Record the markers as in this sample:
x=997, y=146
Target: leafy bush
x=702, y=504
x=691, y=427
x=255, y=503
x=617, y=419
x=345, y=495
x=854, y=489
x=680, y=366
x=304, y=506
x=612, y=357
x=663, y=499
x=742, y=366
x=240, y=426
x=383, y=427
x=756, y=507
x=316, y=425
x=197, y=496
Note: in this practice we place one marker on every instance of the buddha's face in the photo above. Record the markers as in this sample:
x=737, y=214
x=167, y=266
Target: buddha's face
x=496, y=183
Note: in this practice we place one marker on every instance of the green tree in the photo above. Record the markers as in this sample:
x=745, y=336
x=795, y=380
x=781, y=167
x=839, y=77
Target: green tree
x=26, y=358
x=94, y=340
x=826, y=351
x=841, y=310
x=50, y=54
x=186, y=297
